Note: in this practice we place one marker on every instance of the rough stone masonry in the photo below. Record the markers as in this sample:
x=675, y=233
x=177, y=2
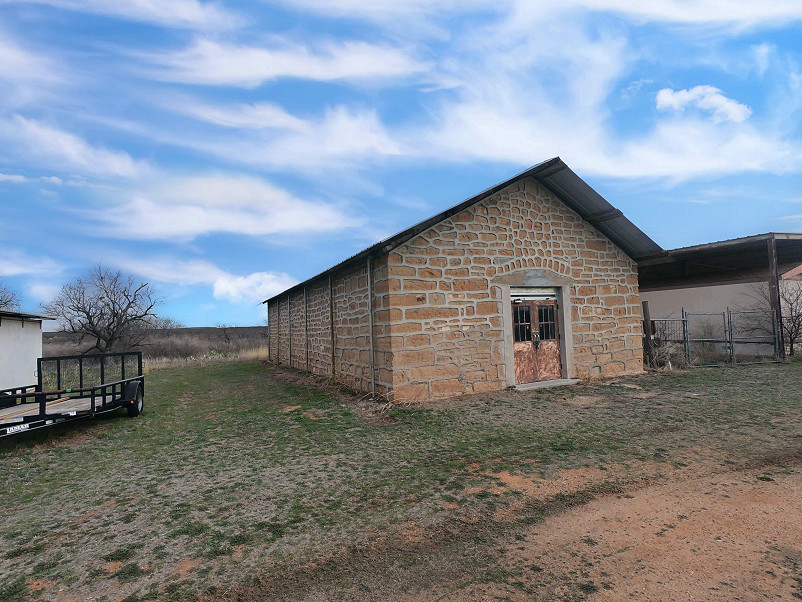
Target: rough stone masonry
x=440, y=323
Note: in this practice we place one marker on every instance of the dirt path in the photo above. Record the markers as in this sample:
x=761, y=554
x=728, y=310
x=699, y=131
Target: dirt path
x=731, y=536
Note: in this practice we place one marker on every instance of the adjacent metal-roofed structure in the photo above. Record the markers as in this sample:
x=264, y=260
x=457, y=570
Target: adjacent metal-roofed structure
x=728, y=265
x=737, y=259
x=562, y=181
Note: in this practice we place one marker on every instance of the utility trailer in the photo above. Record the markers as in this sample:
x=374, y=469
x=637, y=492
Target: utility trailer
x=70, y=387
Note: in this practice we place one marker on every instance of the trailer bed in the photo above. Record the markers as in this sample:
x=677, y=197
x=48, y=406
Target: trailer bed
x=55, y=407
x=62, y=394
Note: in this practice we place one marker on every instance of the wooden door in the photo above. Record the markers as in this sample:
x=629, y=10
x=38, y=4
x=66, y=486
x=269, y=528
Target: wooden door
x=536, y=346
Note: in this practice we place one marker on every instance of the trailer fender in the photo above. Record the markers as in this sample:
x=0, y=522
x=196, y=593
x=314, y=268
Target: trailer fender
x=134, y=398
x=7, y=401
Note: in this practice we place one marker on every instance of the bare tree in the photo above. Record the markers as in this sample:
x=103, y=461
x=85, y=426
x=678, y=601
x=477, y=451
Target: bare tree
x=225, y=332
x=791, y=305
x=159, y=323
x=8, y=299
x=108, y=308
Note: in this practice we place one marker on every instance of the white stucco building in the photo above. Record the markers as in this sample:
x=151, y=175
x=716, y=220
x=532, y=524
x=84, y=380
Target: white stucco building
x=20, y=346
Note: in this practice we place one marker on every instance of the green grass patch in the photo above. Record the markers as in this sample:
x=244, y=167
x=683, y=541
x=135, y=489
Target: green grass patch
x=217, y=476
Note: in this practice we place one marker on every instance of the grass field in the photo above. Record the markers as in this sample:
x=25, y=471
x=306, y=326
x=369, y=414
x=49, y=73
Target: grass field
x=245, y=481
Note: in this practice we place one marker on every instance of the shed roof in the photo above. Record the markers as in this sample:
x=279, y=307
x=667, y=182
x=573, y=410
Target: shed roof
x=555, y=175
x=15, y=315
x=730, y=259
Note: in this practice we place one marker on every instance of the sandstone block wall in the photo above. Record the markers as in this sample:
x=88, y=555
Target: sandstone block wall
x=319, y=328
x=297, y=338
x=351, y=329
x=439, y=326
x=444, y=297
x=301, y=329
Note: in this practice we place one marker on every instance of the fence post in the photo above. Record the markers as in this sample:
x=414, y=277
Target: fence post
x=731, y=342
x=686, y=337
x=777, y=341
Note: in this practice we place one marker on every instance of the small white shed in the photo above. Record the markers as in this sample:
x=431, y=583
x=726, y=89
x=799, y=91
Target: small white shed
x=20, y=346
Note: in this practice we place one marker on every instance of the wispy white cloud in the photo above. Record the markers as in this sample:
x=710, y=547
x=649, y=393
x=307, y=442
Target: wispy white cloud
x=761, y=54
x=22, y=65
x=185, y=208
x=20, y=179
x=737, y=13
x=395, y=14
x=254, y=287
x=707, y=98
x=213, y=63
x=261, y=115
x=340, y=138
x=740, y=14
x=44, y=291
x=13, y=178
x=634, y=88
x=190, y=14
x=48, y=146
x=18, y=263
x=526, y=97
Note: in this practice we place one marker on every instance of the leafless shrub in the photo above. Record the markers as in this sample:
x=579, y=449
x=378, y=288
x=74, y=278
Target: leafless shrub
x=9, y=299
x=791, y=305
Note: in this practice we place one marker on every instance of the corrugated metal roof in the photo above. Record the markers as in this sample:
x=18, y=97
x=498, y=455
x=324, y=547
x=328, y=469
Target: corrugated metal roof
x=737, y=242
x=555, y=175
x=22, y=316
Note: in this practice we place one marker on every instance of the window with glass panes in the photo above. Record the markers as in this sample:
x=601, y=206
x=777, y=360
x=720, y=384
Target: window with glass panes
x=547, y=324
x=522, y=323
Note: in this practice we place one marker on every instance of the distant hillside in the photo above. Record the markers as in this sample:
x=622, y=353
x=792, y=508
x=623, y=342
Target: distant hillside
x=173, y=342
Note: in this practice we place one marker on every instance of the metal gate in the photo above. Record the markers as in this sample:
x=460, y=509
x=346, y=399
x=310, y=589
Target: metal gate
x=713, y=338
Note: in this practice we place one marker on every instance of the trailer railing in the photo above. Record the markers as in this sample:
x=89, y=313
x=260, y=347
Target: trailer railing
x=72, y=386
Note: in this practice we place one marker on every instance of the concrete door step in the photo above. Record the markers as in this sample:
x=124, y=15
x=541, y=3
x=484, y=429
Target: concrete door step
x=547, y=384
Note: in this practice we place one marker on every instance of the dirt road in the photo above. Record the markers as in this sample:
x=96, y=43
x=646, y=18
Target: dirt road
x=732, y=535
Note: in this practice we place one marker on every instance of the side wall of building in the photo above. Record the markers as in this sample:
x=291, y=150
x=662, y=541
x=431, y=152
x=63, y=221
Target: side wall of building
x=325, y=329
x=20, y=346
x=448, y=289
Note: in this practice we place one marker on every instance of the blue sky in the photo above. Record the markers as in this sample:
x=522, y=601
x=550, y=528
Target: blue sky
x=225, y=150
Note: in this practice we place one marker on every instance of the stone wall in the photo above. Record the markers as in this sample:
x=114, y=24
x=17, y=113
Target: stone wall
x=441, y=301
x=319, y=325
x=273, y=331
x=351, y=329
x=445, y=292
x=297, y=320
x=301, y=326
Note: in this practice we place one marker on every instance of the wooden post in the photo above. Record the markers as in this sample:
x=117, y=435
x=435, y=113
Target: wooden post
x=648, y=340
x=774, y=290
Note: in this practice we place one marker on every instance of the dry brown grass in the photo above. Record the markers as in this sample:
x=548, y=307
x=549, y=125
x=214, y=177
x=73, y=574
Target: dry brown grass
x=179, y=347
x=242, y=355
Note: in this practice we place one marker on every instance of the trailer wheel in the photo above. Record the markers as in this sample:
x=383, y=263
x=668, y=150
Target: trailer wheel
x=135, y=409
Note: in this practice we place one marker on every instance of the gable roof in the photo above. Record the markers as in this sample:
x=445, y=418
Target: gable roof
x=555, y=175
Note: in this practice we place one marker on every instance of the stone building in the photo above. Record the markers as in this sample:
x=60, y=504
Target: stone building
x=534, y=279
